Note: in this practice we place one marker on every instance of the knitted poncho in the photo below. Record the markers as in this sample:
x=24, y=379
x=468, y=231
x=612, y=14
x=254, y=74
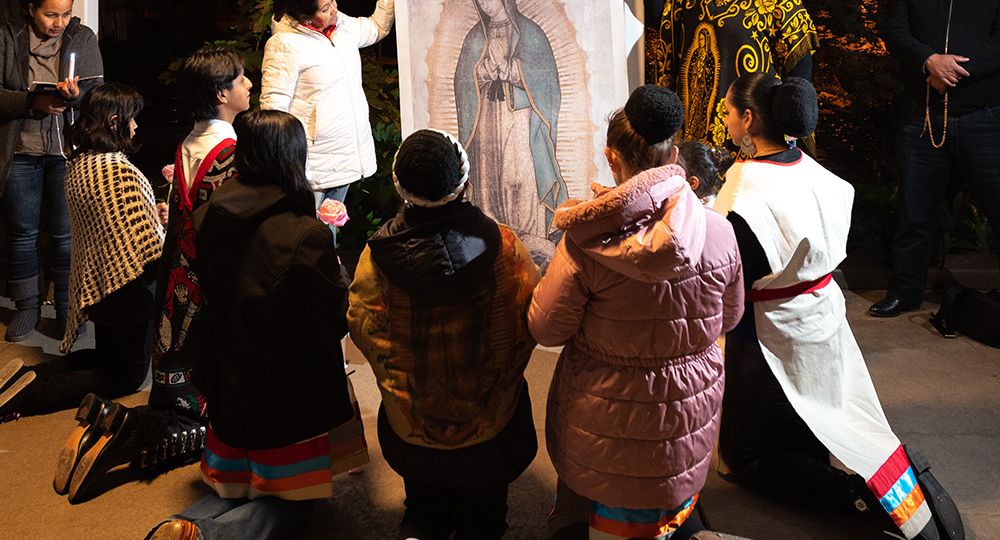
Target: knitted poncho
x=114, y=229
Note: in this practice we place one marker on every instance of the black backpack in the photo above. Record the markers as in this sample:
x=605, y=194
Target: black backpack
x=971, y=313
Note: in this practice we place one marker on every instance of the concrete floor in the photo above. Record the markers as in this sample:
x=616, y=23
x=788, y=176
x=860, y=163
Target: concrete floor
x=942, y=395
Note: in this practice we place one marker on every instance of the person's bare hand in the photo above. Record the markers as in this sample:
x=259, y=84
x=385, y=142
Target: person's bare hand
x=945, y=70
x=163, y=212
x=49, y=104
x=70, y=88
x=938, y=84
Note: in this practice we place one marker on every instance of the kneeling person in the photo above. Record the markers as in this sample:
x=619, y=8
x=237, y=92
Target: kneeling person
x=438, y=306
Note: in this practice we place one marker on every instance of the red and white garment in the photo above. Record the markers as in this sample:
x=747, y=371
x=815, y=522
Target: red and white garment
x=801, y=215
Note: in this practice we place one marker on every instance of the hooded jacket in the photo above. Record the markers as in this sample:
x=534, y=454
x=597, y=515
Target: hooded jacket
x=317, y=79
x=272, y=370
x=438, y=307
x=641, y=286
x=16, y=101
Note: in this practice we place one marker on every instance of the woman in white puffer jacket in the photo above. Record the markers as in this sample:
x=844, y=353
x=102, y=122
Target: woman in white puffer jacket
x=312, y=69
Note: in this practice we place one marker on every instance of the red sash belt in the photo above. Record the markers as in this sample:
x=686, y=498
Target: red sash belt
x=806, y=287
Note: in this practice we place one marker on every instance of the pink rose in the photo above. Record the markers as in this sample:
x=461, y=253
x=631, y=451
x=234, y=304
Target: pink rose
x=168, y=172
x=333, y=212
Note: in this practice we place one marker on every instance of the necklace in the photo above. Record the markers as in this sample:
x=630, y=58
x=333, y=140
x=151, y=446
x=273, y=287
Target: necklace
x=768, y=151
x=928, y=126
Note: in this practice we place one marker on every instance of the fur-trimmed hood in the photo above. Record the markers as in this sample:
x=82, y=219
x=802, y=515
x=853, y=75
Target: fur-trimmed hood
x=650, y=228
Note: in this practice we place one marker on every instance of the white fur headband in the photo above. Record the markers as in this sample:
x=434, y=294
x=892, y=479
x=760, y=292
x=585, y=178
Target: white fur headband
x=416, y=200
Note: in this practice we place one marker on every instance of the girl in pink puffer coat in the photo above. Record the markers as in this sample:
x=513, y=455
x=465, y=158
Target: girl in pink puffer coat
x=641, y=286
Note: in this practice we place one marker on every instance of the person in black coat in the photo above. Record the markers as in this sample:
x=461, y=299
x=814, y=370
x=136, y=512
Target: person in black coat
x=950, y=54
x=272, y=368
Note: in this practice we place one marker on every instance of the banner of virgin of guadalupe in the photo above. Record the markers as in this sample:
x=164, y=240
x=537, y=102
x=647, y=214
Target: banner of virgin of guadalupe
x=526, y=86
x=702, y=46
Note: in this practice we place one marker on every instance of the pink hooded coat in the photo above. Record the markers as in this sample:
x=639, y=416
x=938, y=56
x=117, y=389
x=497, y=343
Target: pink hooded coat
x=641, y=286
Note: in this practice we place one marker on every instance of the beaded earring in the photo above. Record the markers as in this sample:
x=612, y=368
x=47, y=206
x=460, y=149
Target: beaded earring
x=747, y=147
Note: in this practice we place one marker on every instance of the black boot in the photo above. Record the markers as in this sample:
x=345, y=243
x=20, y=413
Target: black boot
x=90, y=417
x=123, y=433
x=24, y=293
x=60, y=297
x=862, y=500
x=182, y=442
x=140, y=437
x=945, y=514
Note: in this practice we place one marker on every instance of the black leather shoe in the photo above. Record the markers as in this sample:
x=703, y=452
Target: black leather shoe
x=89, y=416
x=890, y=307
x=945, y=513
x=122, y=432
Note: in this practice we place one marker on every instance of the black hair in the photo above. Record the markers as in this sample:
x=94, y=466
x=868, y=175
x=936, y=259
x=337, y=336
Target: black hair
x=271, y=148
x=203, y=75
x=708, y=164
x=780, y=106
x=27, y=4
x=105, y=115
x=300, y=10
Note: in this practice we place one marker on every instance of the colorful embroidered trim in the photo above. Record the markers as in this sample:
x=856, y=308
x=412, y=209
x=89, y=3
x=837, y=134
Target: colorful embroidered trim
x=297, y=472
x=608, y=523
x=172, y=378
x=895, y=484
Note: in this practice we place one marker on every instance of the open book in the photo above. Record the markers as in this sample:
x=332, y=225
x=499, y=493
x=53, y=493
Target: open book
x=38, y=86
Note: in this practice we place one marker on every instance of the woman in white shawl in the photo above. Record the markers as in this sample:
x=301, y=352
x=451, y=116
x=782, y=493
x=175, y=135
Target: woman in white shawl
x=799, y=397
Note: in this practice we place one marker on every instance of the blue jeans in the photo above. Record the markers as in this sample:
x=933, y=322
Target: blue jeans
x=35, y=181
x=338, y=193
x=236, y=519
x=972, y=152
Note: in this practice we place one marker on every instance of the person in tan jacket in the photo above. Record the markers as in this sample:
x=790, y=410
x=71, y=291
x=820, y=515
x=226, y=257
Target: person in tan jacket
x=438, y=307
x=643, y=283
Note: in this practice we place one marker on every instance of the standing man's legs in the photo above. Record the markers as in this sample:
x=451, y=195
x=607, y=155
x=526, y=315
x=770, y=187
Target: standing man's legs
x=977, y=153
x=925, y=171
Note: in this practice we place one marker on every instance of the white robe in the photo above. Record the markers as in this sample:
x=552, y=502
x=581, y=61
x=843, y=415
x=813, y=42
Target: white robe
x=801, y=215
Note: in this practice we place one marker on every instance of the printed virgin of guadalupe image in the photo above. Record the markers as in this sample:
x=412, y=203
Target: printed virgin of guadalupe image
x=508, y=96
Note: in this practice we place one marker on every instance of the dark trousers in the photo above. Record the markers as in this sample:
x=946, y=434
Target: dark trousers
x=34, y=183
x=434, y=514
x=117, y=365
x=972, y=152
x=764, y=441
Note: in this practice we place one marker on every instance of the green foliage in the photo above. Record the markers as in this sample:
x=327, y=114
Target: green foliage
x=860, y=92
x=373, y=200
x=858, y=86
x=248, y=36
x=964, y=227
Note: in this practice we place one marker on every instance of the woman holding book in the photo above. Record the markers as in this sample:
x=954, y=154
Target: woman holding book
x=43, y=46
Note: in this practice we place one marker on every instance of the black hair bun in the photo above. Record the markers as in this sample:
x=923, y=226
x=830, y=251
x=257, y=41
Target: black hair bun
x=795, y=108
x=655, y=112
